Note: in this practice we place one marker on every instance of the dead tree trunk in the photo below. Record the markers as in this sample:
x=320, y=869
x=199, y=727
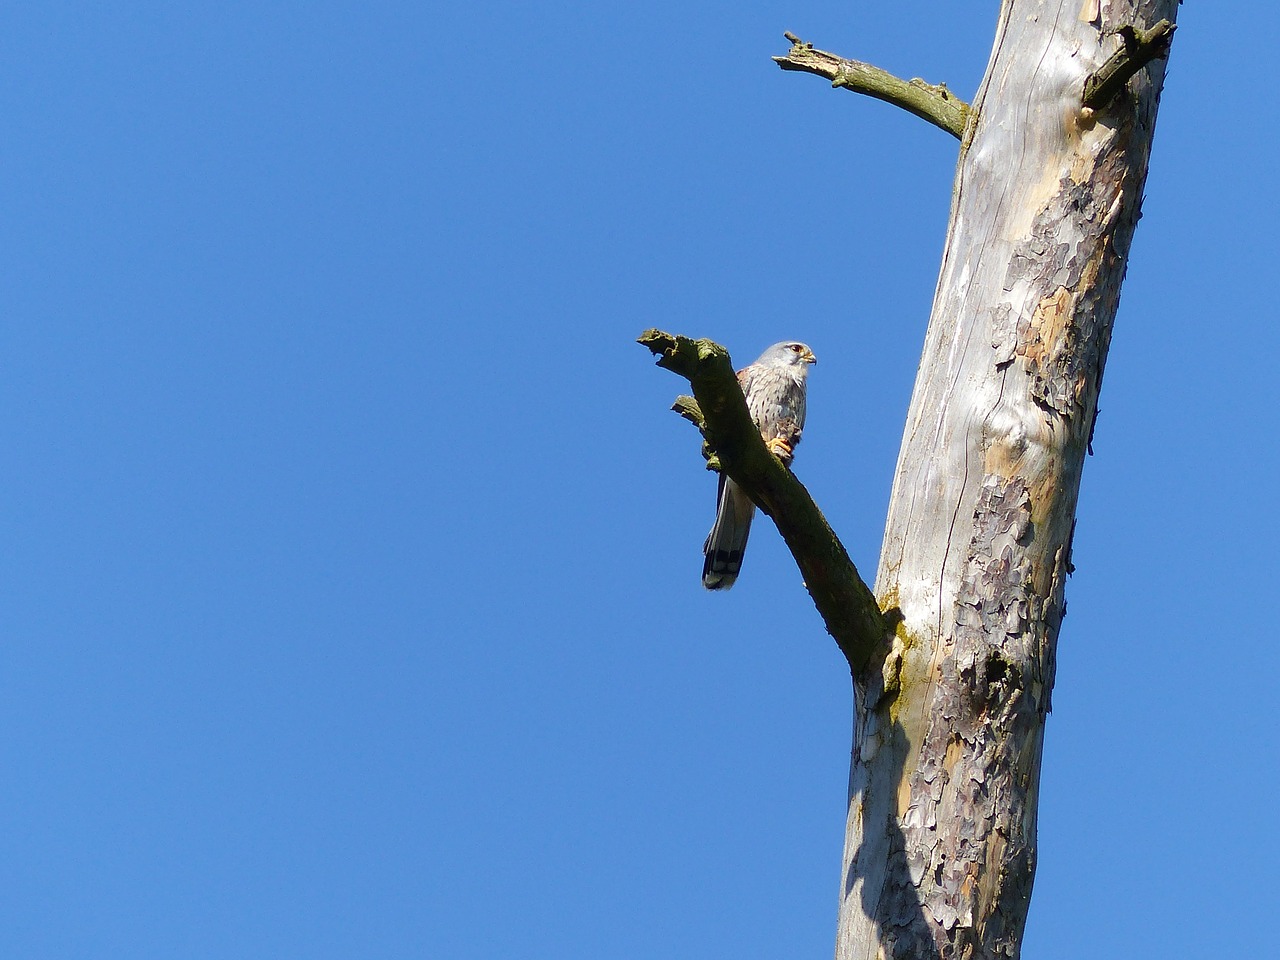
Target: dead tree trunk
x=941, y=837
x=952, y=679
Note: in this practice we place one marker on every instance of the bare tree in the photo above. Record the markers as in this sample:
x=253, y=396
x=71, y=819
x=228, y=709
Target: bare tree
x=952, y=653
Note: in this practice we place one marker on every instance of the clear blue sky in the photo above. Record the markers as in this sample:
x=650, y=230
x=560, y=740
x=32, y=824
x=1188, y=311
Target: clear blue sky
x=350, y=603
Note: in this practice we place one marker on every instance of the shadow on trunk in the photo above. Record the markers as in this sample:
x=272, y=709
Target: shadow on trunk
x=904, y=931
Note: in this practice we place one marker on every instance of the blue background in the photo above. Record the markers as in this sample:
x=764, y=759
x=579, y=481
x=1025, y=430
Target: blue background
x=350, y=603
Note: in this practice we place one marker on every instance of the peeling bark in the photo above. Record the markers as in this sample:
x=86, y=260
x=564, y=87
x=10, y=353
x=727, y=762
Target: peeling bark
x=949, y=720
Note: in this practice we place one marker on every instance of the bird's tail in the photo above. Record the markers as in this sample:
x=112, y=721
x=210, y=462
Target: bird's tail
x=728, y=537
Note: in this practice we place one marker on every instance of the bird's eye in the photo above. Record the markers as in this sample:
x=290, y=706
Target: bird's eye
x=795, y=347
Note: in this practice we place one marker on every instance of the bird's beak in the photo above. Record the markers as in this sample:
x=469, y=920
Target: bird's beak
x=809, y=357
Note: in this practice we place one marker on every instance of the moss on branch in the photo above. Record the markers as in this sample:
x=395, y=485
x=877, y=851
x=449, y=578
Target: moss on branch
x=1137, y=49
x=733, y=445
x=932, y=102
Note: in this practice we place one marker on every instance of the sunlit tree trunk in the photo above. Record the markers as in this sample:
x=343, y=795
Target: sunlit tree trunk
x=940, y=846
x=952, y=653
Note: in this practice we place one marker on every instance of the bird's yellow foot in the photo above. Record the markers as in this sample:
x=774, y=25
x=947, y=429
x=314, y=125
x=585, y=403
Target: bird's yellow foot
x=780, y=449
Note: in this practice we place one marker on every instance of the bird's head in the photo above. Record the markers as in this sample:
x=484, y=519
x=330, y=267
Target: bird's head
x=791, y=353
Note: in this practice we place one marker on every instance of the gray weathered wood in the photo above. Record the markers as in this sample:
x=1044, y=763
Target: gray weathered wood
x=941, y=839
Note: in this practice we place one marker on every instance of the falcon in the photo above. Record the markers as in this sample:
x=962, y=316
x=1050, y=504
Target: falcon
x=775, y=390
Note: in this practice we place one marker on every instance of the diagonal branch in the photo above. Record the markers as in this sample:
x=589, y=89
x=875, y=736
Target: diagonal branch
x=934, y=103
x=1137, y=49
x=733, y=445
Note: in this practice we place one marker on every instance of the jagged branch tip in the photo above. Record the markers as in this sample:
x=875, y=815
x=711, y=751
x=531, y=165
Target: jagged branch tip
x=932, y=102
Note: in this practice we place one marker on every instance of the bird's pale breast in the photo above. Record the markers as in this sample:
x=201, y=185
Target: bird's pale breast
x=776, y=397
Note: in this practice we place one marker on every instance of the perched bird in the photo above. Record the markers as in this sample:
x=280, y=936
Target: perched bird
x=774, y=387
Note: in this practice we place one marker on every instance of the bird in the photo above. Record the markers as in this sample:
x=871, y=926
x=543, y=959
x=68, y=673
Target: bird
x=774, y=386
